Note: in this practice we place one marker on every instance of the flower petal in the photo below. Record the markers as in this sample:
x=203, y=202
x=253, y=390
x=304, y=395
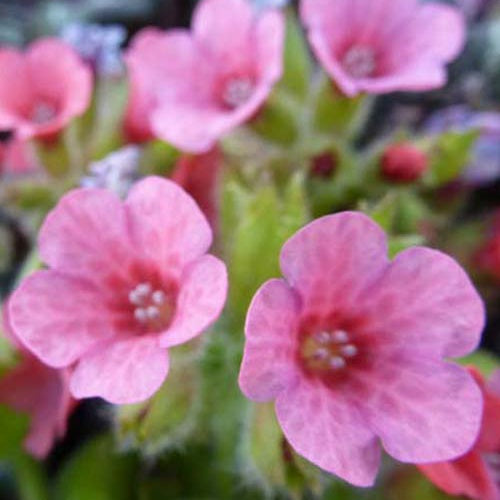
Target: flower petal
x=200, y=302
x=327, y=429
x=41, y=392
x=166, y=224
x=412, y=403
x=57, y=317
x=159, y=63
x=269, y=364
x=123, y=372
x=223, y=28
x=86, y=235
x=331, y=260
x=468, y=476
x=425, y=300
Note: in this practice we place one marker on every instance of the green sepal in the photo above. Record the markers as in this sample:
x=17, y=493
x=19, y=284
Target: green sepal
x=335, y=113
x=257, y=223
x=297, y=64
x=485, y=362
x=449, y=154
x=168, y=419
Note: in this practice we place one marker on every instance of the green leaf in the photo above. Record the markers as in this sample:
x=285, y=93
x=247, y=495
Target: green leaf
x=169, y=417
x=14, y=428
x=399, y=243
x=384, y=211
x=485, y=362
x=97, y=472
x=263, y=446
x=265, y=221
x=296, y=60
x=339, y=114
x=30, y=478
x=450, y=154
x=277, y=120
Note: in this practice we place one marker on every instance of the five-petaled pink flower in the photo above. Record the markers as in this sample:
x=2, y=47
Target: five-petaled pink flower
x=476, y=474
x=191, y=88
x=42, y=89
x=40, y=391
x=380, y=46
x=350, y=346
x=127, y=280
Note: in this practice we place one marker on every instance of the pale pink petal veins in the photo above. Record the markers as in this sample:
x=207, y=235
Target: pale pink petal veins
x=13, y=98
x=58, y=317
x=223, y=28
x=413, y=403
x=200, y=301
x=327, y=428
x=160, y=64
x=270, y=37
x=425, y=300
x=165, y=224
x=123, y=372
x=69, y=80
x=411, y=41
x=269, y=362
x=87, y=235
x=333, y=259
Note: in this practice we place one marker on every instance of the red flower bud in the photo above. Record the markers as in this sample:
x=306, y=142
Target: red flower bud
x=403, y=163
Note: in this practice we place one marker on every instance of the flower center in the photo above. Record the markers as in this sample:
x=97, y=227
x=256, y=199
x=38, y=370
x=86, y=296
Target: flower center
x=43, y=112
x=237, y=91
x=153, y=309
x=328, y=351
x=359, y=61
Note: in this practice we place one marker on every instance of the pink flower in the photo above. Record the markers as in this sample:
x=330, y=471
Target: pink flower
x=42, y=89
x=350, y=346
x=199, y=176
x=380, y=46
x=191, y=88
x=126, y=281
x=40, y=391
x=476, y=474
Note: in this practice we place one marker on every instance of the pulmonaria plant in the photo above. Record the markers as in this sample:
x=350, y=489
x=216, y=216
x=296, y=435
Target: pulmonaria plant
x=350, y=345
x=190, y=88
x=380, y=46
x=42, y=89
x=476, y=474
x=126, y=281
x=40, y=391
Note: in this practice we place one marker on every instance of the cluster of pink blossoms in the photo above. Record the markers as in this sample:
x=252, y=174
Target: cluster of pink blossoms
x=350, y=345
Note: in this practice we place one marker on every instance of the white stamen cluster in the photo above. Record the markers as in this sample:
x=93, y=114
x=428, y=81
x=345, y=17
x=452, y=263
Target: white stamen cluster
x=359, y=62
x=237, y=91
x=334, y=348
x=148, y=302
